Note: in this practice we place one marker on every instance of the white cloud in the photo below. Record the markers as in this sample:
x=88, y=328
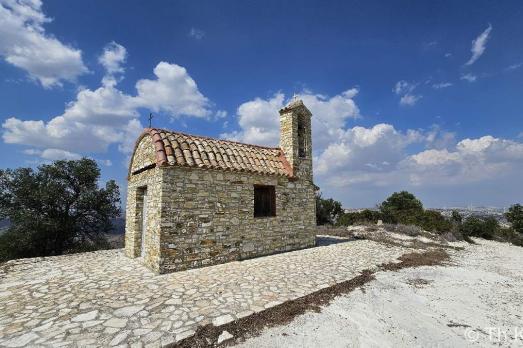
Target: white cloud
x=220, y=114
x=362, y=165
x=342, y=156
x=104, y=116
x=514, y=67
x=472, y=160
x=57, y=154
x=493, y=149
x=479, y=45
x=409, y=99
x=197, y=34
x=406, y=89
x=428, y=45
x=259, y=121
x=403, y=87
x=436, y=138
x=361, y=173
x=130, y=132
x=259, y=118
x=25, y=44
x=173, y=91
x=469, y=77
x=361, y=149
x=32, y=152
x=113, y=58
x=442, y=85
x=434, y=157
x=52, y=154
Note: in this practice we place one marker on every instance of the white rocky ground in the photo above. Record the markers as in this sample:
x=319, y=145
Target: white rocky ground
x=106, y=299
x=476, y=301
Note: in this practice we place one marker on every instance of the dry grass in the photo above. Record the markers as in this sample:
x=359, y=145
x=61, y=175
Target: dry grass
x=427, y=258
x=408, y=230
x=334, y=231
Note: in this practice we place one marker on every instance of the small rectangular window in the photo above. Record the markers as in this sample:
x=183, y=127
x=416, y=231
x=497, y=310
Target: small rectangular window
x=264, y=201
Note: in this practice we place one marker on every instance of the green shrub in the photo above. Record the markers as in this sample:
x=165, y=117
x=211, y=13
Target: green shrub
x=401, y=207
x=327, y=210
x=401, y=211
x=515, y=217
x=404, y=208
x=456, y=217
x=509, y=235
x=486, y=228
x=409, y=230
x=434, y=221
x=362, y=217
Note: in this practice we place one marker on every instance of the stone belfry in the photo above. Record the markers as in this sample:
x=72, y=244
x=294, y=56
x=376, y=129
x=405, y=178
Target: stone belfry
x=296, y=138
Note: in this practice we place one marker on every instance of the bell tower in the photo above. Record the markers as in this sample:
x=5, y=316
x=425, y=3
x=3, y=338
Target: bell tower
x=296, y=137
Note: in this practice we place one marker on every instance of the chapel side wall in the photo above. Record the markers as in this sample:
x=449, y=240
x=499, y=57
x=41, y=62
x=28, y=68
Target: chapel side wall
x=133, y=236
x=151, y=179
x=207, y=217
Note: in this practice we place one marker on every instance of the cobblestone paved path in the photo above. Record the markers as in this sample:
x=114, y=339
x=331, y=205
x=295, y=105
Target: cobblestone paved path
x=106, y=299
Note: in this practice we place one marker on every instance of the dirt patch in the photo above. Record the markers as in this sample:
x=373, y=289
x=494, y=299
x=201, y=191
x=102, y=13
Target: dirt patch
x=452, y=324
x=427, y=258
x=253, y=325
x=383, y=238
x=418, y=282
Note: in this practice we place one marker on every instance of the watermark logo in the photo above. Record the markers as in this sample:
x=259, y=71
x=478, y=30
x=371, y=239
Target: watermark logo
x=495, y=334
x=471, y=335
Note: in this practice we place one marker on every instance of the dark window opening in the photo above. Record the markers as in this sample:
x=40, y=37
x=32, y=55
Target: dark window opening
x=264, y=201
x=301, y=139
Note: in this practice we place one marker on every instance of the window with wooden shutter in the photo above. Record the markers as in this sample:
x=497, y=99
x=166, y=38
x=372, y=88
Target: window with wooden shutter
x=264, y=201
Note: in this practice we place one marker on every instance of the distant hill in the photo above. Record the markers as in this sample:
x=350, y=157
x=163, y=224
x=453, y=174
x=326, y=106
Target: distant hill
x=118, y=223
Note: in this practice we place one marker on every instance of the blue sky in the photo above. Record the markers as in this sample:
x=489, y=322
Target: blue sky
x=424, y=96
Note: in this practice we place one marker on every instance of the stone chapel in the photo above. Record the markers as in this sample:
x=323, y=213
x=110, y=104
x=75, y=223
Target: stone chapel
x=194, y=201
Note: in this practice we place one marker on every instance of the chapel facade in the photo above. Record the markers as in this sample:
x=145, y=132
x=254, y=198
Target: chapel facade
x=194, y=201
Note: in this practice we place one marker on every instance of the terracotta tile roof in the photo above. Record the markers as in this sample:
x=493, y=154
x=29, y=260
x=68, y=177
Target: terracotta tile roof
x=180, y=149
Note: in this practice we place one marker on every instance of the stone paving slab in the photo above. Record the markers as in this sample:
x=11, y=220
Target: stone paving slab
x=106, y=299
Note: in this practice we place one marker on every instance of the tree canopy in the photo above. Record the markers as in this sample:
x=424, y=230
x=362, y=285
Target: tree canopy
x=514, y=215
x=327, y=210
x=359, y=217
x=456, y=217
x=56, y=209
x=401, y=207
x=486, y=228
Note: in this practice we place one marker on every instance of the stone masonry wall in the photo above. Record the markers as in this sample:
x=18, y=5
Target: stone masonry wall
x=144, y=154
x=289, y=119
x=150, y=180
x=288, y=137
x=207, y=217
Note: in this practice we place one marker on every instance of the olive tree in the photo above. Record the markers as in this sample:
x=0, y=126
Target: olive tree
x=55, y=209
